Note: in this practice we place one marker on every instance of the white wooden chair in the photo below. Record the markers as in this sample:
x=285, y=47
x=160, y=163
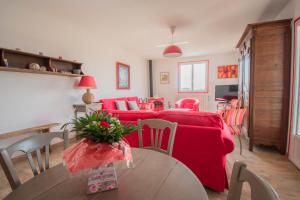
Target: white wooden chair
x=157, y=129
x=29, y=145
x=260, y=189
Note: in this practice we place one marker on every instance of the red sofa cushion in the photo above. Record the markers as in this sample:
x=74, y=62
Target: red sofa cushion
x=133, y=99
x=132, y=115
x=108, y=104
x=192, y=118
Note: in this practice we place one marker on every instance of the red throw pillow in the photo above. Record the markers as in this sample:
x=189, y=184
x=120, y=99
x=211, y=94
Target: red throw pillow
x=108, y=104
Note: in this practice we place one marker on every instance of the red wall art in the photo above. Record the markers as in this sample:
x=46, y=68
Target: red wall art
x=227, y=71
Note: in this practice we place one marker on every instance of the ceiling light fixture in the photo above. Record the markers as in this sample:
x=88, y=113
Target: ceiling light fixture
x=176, y=43
x=172, y=50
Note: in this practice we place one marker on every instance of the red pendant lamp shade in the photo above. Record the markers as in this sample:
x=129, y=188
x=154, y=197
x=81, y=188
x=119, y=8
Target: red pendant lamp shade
x=172, y=51
x=87, y=82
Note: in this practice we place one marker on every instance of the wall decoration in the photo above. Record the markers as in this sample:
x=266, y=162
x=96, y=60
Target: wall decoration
x=123, y=76
x=4, y=62
x=34, y=66
x=164, y=77
x=43, y=68
x=227, y=71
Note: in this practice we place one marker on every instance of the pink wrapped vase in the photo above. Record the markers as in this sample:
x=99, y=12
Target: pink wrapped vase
x=86, y=154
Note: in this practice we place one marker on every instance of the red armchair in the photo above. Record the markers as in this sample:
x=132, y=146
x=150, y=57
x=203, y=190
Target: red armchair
x=189, y=103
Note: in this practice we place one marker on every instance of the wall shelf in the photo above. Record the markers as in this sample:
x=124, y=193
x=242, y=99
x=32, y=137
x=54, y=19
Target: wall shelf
x=13, y=69
x=19, y=61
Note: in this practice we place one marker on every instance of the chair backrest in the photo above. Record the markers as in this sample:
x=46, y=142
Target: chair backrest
x=29, y=145
x=235, y=116
x=190, y=103
x=234, y=103
x=157, y=129
x=260, y=189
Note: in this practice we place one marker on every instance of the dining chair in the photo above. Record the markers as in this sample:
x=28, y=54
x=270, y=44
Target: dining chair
x=234, y=119
x=260, y=189
x=29, y=145
x=157, y=130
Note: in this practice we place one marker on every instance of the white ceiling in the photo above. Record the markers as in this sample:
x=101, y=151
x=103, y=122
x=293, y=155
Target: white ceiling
x=210, y=26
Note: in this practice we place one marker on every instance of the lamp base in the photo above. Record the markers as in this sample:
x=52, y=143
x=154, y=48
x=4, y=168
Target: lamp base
x=88, y=97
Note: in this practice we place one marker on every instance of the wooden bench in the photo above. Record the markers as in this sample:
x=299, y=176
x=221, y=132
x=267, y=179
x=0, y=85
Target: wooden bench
x=14, y=136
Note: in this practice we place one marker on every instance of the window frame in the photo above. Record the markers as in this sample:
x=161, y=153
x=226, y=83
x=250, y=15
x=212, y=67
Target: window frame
x=294, y=105
x=207, y=76
x=294, y=123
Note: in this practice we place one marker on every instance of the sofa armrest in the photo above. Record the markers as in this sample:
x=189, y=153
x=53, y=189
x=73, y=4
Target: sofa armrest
x=227, y=139
x=196, y=105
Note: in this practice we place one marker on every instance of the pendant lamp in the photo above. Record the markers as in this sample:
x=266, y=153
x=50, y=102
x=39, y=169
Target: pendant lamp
x=172, y=50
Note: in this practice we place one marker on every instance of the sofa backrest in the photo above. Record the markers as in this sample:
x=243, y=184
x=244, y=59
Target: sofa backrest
x=110, y=104
x=133, y=115
x=192, y=118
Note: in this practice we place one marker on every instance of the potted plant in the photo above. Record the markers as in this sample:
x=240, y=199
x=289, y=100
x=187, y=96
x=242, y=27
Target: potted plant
x=101, y=144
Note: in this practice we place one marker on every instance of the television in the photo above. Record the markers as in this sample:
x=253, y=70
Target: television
x=226, y=92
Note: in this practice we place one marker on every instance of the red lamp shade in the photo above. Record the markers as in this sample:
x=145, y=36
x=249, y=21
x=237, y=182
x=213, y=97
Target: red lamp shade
x=172, y=51
x=87, y=82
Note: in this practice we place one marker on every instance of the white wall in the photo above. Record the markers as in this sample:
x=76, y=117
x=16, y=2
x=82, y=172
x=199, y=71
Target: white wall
x=292, y=9
x=169, y=91
x=29, y=99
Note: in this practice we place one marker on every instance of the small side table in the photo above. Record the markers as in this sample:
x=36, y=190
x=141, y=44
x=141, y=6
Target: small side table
x=86, y=108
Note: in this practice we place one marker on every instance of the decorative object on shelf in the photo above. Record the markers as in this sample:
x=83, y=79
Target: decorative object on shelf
x=34, y=66
x=52, y=69
x=87, y=82
x=77, y=71
x=43, y=68
x=172, y=50
x=164, y=77
x=65, y=72
x=4, y=62
x=102, y=144
x=18, y=49
x=227, y=71
x=41, y=53
x=123, y=76
x=60, y=57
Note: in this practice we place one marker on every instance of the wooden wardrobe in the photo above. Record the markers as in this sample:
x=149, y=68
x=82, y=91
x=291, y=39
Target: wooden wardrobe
x=264, y=82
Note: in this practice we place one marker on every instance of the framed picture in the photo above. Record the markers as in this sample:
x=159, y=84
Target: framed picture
x=123, y=76
x=227, y=71
x=164, y=77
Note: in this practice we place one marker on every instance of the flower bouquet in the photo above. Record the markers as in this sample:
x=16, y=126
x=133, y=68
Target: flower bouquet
x=101, y=144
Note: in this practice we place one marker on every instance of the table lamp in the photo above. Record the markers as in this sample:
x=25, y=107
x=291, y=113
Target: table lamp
x=87, y=82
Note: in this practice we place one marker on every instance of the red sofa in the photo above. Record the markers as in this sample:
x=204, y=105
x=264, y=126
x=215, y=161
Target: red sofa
x=202, y=140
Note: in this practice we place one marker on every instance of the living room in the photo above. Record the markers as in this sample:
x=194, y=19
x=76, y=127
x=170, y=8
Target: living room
x=48, y=48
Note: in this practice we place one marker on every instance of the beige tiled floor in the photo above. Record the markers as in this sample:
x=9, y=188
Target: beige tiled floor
x=275, y=168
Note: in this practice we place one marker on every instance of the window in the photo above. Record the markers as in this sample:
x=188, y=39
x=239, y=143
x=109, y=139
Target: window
x=193, y=76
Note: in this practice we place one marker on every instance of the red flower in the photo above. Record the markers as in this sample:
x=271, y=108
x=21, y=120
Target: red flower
x=104, y=124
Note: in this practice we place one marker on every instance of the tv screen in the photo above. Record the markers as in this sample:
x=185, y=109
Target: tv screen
x=226, y=92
